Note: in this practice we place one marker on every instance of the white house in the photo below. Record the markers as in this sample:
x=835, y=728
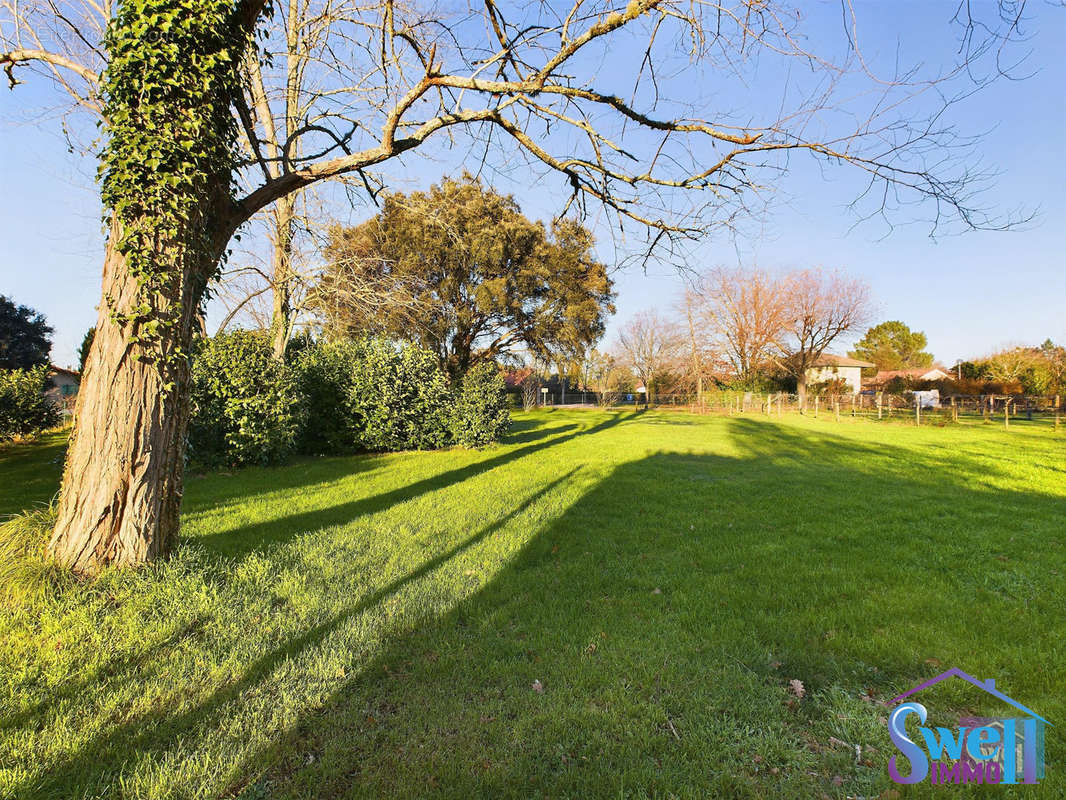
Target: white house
x=829, y=367
x=62, y=386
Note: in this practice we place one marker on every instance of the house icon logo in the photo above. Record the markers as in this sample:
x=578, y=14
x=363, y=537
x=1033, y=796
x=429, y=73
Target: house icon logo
x=1005, y=750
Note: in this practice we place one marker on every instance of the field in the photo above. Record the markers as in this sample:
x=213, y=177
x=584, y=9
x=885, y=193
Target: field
x=606, y=605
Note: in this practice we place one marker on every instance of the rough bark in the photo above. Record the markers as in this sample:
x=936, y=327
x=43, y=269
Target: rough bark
x=123, y=479
x=282, y=275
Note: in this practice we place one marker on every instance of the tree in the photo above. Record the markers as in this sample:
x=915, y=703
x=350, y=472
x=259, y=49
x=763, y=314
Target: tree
x=822, y=308
x=701, y=343
x=85, y=347
x=25, y=336
x=1008, y=365
x=389, y=79
x=748, y=312
x=652, y=347
x=1054, y=358
x=530, y=384
x=281, y=100
x=893, y=345
x=486, y=281
x=602, y=375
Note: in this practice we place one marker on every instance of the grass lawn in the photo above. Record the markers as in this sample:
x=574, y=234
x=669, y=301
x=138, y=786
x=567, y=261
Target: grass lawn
x=374, y=626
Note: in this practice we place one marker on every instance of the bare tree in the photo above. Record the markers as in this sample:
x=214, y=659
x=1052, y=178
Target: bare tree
x=389, y=78
x=749, y=311
x=652, y=347
x=700, y=338
x=1010, y=363
x=602, y=374
x=823, y=306
x=530, y=390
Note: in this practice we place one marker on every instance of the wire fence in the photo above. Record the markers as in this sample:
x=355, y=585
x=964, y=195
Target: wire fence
x=916, y=408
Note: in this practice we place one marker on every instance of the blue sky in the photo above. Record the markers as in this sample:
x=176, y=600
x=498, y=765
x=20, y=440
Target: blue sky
x=970, y=293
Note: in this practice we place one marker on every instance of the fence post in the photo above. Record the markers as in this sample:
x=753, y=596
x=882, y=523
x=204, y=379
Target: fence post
x=1006, y=412
x=879, y=396
x=836, y=407
x=816, y=406
x=917, y=412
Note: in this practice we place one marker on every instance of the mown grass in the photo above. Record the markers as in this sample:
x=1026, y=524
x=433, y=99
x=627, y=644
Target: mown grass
x=373, y=626
x=30, y=471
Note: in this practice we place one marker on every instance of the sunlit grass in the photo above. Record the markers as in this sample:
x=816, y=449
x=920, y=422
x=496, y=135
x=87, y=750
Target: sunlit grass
x=373, y=625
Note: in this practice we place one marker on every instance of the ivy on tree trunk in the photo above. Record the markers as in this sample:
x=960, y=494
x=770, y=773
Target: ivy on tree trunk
x=167, y=173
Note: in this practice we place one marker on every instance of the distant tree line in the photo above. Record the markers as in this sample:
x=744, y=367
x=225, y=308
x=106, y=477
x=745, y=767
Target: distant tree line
x=752, y=330
x=1031, y=370
x=735, y=328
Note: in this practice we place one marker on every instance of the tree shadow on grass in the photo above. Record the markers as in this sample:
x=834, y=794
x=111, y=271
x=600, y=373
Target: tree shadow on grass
x=263, y=535
x=663, y=616
x=526, y=431
x=116, y=668
x=80, y=775
x=214, y=489
x=210, y=490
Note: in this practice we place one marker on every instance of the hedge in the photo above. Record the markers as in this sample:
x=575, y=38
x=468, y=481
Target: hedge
x=334, y=397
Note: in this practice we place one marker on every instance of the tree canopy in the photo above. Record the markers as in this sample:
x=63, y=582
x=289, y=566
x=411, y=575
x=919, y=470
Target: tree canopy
x=25, y=336
x=893, y=345
x=474, y=279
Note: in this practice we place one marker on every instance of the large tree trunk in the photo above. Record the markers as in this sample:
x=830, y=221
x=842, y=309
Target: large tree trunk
x=122, y=483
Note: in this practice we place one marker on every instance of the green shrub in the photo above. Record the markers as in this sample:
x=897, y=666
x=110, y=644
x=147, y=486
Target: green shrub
x=399, y=398
x=247, y=408
x=326, y=372
x=478, y=414
x=333, y=397
x=24, y=410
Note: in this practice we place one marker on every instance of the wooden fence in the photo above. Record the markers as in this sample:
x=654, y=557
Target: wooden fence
x=1001, y=409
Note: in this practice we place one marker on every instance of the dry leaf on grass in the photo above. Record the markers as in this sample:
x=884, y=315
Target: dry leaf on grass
x=796, y=687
